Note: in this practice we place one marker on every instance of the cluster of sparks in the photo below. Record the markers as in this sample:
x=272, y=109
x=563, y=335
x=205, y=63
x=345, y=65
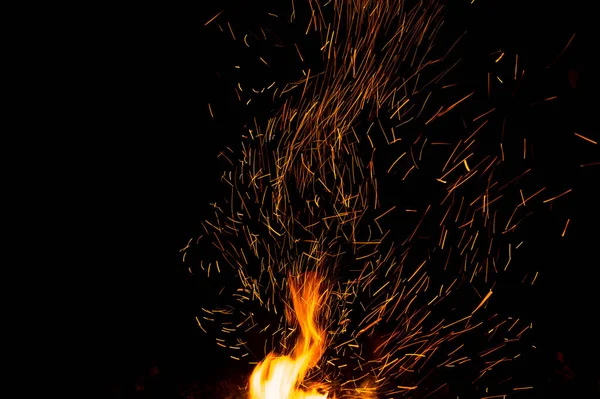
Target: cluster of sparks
x=404, y=289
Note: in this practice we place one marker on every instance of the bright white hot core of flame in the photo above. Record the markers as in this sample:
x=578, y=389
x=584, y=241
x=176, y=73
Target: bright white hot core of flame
x=279, y=377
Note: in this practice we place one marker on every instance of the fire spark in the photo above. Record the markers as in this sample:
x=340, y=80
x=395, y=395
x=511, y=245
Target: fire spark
x=415, y=224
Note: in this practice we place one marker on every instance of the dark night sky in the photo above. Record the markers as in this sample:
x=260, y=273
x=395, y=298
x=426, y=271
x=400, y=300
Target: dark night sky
x=159, y=173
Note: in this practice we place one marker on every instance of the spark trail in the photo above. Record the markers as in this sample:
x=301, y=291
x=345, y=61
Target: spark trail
x=327, y=186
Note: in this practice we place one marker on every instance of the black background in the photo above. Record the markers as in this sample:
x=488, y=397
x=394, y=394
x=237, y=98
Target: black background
x=155, y=172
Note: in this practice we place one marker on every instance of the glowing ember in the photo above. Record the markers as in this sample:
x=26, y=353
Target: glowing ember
x=373, y=166
x=280, y=377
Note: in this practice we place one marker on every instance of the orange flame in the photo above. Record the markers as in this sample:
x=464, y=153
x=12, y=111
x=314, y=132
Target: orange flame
x=279, y=377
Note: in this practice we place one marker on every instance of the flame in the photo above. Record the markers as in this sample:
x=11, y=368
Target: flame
x=280, y=377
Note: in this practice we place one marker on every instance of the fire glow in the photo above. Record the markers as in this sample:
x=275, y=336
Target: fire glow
x=280, y=377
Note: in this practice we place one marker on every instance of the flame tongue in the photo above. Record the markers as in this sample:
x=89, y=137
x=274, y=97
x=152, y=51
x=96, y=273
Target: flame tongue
x=278, y=377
